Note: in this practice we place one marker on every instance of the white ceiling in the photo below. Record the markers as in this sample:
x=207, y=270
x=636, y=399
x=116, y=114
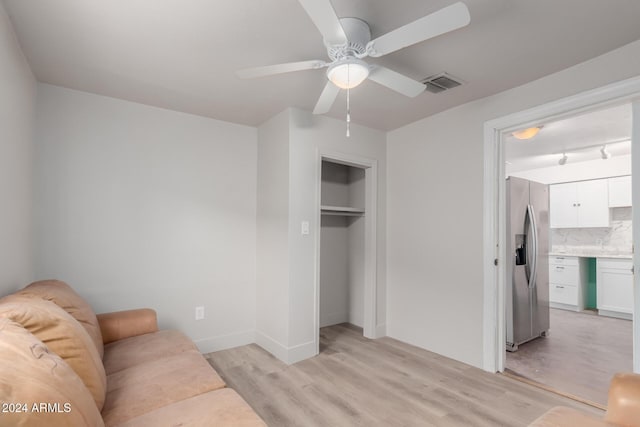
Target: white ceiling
x=182, y=54
x=580, y=137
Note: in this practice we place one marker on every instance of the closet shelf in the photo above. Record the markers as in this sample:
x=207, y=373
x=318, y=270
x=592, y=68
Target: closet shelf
x=341, y=210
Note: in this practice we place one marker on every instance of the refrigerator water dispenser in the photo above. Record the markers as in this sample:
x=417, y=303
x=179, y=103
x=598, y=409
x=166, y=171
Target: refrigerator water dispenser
x=521, y=249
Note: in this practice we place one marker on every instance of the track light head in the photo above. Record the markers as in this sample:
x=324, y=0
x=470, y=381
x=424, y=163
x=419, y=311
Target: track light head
x=604, y=153
x=563, y=159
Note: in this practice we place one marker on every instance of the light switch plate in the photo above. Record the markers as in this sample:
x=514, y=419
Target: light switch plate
x=199, y=313
x=305, y=228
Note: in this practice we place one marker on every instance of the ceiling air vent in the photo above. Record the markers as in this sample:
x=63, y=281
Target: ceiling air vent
x=441, y=82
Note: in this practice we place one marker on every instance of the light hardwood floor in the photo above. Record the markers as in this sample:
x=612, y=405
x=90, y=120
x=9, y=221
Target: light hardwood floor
x=360, y=382
x=580, y=356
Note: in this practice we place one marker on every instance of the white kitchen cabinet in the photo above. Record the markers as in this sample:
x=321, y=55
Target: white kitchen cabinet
x=581, y=204
x=620, y=191
x=567, y=282
x=614, y=281
x=562, y=205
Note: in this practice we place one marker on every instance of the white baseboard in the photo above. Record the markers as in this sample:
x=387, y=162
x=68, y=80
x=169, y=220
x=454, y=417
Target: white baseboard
x=357, y=322
x=301, y=352
x=223, y=342
x=562, y=306
x=381, y=330
x=272, y=346
x=288, y=355
x=329, y=319
x=619, y=315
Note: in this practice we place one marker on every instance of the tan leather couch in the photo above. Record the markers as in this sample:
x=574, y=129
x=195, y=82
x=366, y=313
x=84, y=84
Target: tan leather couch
x=623, y=408
x=61, y=365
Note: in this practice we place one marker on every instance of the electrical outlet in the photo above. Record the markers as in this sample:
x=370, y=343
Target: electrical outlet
x=199, y=313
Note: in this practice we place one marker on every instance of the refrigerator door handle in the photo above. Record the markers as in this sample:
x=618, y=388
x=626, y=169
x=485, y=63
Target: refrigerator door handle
x=533, y=253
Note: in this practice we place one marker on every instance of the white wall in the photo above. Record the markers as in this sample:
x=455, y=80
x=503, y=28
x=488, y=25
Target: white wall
x=288, y=285
x=272, y=282
x=17, y=104
x=356, y=271
x=143, y=207
x=309, y=134
x=435, y=188
x=334, y=270
x=357, y=196
x=635, y=194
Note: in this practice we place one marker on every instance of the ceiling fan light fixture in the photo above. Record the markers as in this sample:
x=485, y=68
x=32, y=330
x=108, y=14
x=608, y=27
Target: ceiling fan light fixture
x=527, y=133
x=348, y=73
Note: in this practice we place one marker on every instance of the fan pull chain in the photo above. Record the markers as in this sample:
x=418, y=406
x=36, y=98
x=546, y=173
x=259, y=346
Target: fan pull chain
x=348, y=114
x=348, y=104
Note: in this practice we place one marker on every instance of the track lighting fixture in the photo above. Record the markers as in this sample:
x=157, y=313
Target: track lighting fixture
x=603, y=148
x=563, y=159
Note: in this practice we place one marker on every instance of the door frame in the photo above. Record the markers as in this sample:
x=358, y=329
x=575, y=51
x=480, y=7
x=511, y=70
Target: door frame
x=494, y=238
x=370, y=167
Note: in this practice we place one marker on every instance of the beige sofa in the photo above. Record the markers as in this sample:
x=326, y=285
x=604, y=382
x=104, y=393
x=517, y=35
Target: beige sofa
x=61, y=365
x=623, y=408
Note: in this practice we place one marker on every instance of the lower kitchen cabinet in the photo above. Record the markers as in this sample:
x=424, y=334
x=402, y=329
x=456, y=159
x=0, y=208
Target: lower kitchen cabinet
x=615, y=287
x=567, y=282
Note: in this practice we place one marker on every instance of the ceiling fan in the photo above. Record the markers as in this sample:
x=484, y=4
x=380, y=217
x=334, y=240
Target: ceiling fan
x=348, y=41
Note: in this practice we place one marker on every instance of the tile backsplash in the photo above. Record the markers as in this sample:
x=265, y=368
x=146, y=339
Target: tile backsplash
x=616, y=239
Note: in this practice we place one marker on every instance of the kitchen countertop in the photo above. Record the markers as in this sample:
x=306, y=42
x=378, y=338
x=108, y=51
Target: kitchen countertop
x=589, y=254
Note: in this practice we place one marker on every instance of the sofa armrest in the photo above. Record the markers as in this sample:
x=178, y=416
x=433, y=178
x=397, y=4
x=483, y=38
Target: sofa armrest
x=623, y=407
x=129, y=323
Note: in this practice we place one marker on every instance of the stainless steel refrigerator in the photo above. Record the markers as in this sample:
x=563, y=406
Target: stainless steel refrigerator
x=527, y=290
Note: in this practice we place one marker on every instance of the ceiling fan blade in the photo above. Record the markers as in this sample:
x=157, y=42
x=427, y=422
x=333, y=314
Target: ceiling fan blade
x=440, y=22
x=327, y=98
x=268, y=70
x=324, y=17
x=396, y=81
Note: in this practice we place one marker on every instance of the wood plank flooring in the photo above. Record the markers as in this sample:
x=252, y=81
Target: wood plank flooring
x=580, y=355
x=355, y=381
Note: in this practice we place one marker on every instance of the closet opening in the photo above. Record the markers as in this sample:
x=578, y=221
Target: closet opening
x=346, y=300
x=342, y=245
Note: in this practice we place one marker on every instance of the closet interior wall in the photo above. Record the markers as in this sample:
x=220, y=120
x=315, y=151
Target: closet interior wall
x=342, y=245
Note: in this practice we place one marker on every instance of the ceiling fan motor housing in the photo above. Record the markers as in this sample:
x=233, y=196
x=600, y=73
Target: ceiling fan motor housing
x=358, y=35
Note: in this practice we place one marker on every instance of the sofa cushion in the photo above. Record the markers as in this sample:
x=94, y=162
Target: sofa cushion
x=220, y=408
x=66, y=298
x=31, y=374
x=63, y=335
x=133, y=351
x=144, y=387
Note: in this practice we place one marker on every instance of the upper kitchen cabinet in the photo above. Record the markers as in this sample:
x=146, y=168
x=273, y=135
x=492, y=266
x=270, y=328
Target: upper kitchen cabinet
x=562, y=205
x=620, y=191
x=579, y=204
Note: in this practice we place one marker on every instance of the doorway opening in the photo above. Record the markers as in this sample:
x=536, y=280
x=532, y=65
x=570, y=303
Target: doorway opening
x=496, y=257
x=345, y=260
x=569, y=295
